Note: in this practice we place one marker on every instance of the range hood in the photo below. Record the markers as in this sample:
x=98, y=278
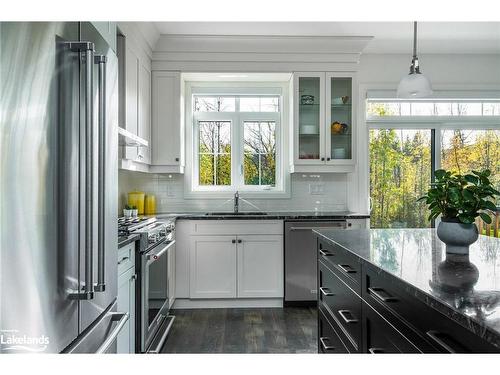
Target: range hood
x=128, y=139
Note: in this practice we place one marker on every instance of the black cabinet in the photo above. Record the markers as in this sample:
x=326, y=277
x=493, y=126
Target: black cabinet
x=369, y=311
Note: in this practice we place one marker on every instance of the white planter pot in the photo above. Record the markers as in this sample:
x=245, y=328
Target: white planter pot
x=130, y=213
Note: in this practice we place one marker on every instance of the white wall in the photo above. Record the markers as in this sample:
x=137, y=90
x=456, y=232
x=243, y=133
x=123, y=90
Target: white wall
x=341, y=191
x=446, y=72
x=169, y=192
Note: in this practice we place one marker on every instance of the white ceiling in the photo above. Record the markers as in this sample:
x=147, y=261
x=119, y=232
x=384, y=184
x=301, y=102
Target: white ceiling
x=389, y=37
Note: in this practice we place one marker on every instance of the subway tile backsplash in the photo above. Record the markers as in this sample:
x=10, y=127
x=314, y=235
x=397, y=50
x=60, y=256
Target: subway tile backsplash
x=309, y=192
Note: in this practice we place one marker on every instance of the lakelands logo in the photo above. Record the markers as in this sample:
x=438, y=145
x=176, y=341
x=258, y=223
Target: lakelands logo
x=14, y=341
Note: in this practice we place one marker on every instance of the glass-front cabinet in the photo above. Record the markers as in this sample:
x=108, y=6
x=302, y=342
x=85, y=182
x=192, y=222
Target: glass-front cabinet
x=323, y=122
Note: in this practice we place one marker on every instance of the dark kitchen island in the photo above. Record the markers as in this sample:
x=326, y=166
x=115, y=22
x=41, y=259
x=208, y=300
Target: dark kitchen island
x=396, y=290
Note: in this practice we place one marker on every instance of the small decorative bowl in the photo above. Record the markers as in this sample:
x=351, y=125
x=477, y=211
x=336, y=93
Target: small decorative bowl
x=307, y=99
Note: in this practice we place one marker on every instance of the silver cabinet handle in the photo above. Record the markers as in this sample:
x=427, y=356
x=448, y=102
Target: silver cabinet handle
x=376, y=292
x=343, y=314
x=87, y=50
x=100, y=60
x=340, y=225
x=122, y=319
x=325, y=346
x=376, y=350
x=346, y=268
x=325, y=253
x=434, y=335
x=325, y=291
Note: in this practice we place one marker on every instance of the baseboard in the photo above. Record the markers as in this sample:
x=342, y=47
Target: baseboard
x=300, y=303
x=227, y=303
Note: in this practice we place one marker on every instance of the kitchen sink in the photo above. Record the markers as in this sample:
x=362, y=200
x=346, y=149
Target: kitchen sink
x=235, y=213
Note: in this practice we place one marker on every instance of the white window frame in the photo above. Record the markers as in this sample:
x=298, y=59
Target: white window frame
x=192, y=188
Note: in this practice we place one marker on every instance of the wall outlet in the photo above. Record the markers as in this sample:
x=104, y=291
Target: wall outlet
x=316, y=188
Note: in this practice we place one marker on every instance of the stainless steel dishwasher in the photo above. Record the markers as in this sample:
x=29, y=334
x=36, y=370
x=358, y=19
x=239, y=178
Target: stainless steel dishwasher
x=301, y=261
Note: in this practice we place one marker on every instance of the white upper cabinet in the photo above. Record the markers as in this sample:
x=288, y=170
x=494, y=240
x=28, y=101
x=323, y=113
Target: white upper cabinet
x=144, y=114
x=167, y=127
x=324, y=122
x=131, y=98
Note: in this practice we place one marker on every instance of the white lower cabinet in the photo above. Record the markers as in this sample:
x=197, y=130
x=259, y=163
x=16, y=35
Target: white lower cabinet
x=260, y=266
x=212, y=270
x=236, y=266
x=126, y=303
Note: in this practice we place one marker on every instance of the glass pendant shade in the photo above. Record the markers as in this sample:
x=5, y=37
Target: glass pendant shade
x=414, y=85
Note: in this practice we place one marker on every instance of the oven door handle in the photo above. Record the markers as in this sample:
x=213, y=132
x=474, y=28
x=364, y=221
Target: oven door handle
x=156, y=255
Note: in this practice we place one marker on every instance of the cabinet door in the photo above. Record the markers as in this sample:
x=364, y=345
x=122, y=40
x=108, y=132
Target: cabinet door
x=260, y=266
x=144, y=114
x=212, y=270
x=167, y=126
x=126, y=303
x=339, y=129
x=309, y=118
x=131, y=94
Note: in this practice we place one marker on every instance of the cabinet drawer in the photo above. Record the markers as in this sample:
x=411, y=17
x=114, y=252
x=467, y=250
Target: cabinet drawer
x=345, y=263
x=342, y=303
x=381, y=337
x=440, y=332
x=126, y=257
x=235, y=227
x=329, y=341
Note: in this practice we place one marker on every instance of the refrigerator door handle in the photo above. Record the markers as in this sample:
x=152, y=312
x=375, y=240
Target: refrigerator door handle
x=100, y=60
x=122, y=319
x=87, y=49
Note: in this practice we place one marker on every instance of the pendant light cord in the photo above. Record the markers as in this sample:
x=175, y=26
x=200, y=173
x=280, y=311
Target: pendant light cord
x=414, y=39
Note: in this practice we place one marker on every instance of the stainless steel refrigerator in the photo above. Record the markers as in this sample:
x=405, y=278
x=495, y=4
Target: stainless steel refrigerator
x=58, y=187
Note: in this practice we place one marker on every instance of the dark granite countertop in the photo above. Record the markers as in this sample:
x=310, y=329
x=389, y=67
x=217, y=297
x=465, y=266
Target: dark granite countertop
x=413, y=256
x=285, y=215
x=125, y=240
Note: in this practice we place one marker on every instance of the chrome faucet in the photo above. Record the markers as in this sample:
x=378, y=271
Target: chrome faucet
x=236, y=202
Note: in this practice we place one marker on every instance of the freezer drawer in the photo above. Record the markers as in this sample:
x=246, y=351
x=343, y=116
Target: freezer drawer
x=100, y=337
x=300, y=259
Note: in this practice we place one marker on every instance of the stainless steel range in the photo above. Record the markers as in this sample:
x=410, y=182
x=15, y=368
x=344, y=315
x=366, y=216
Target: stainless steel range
x=152, y=300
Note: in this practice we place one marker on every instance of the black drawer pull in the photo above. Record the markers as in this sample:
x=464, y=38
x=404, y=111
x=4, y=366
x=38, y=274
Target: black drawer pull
x=326, y=292
x=344, y=313
x=346, y=268
x=123, y=260
x=434, y=335
x=377, y=292
x=325, y=253
x=325, y=346
x=376, y=350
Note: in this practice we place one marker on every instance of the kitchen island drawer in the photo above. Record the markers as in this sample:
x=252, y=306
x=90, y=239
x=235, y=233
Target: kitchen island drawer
x=441, y=332
x=329, y=341
x=347, y=265
x=342, y=303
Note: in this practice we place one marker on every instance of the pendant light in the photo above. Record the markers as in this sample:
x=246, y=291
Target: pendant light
x=415, y=84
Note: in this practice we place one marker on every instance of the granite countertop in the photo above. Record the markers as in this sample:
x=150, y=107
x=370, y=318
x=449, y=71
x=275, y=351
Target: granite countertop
x=446, y=282
x=282, y=215
x=125, y=240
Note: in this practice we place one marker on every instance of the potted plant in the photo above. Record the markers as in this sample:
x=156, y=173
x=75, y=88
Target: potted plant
x=460, y=199
x=130, y=211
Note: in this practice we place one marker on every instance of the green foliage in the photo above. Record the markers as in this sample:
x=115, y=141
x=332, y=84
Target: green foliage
x=462, y=197
x=128, y=207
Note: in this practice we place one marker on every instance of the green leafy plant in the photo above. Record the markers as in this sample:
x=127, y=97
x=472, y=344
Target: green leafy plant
x=128, y=207
x=461, y=198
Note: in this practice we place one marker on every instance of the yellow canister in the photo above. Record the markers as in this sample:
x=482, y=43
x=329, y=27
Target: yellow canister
x=136, y=198
x=150, y=205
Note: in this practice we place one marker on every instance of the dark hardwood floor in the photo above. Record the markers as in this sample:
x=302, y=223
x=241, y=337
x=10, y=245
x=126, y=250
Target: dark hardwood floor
x=263, y=330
